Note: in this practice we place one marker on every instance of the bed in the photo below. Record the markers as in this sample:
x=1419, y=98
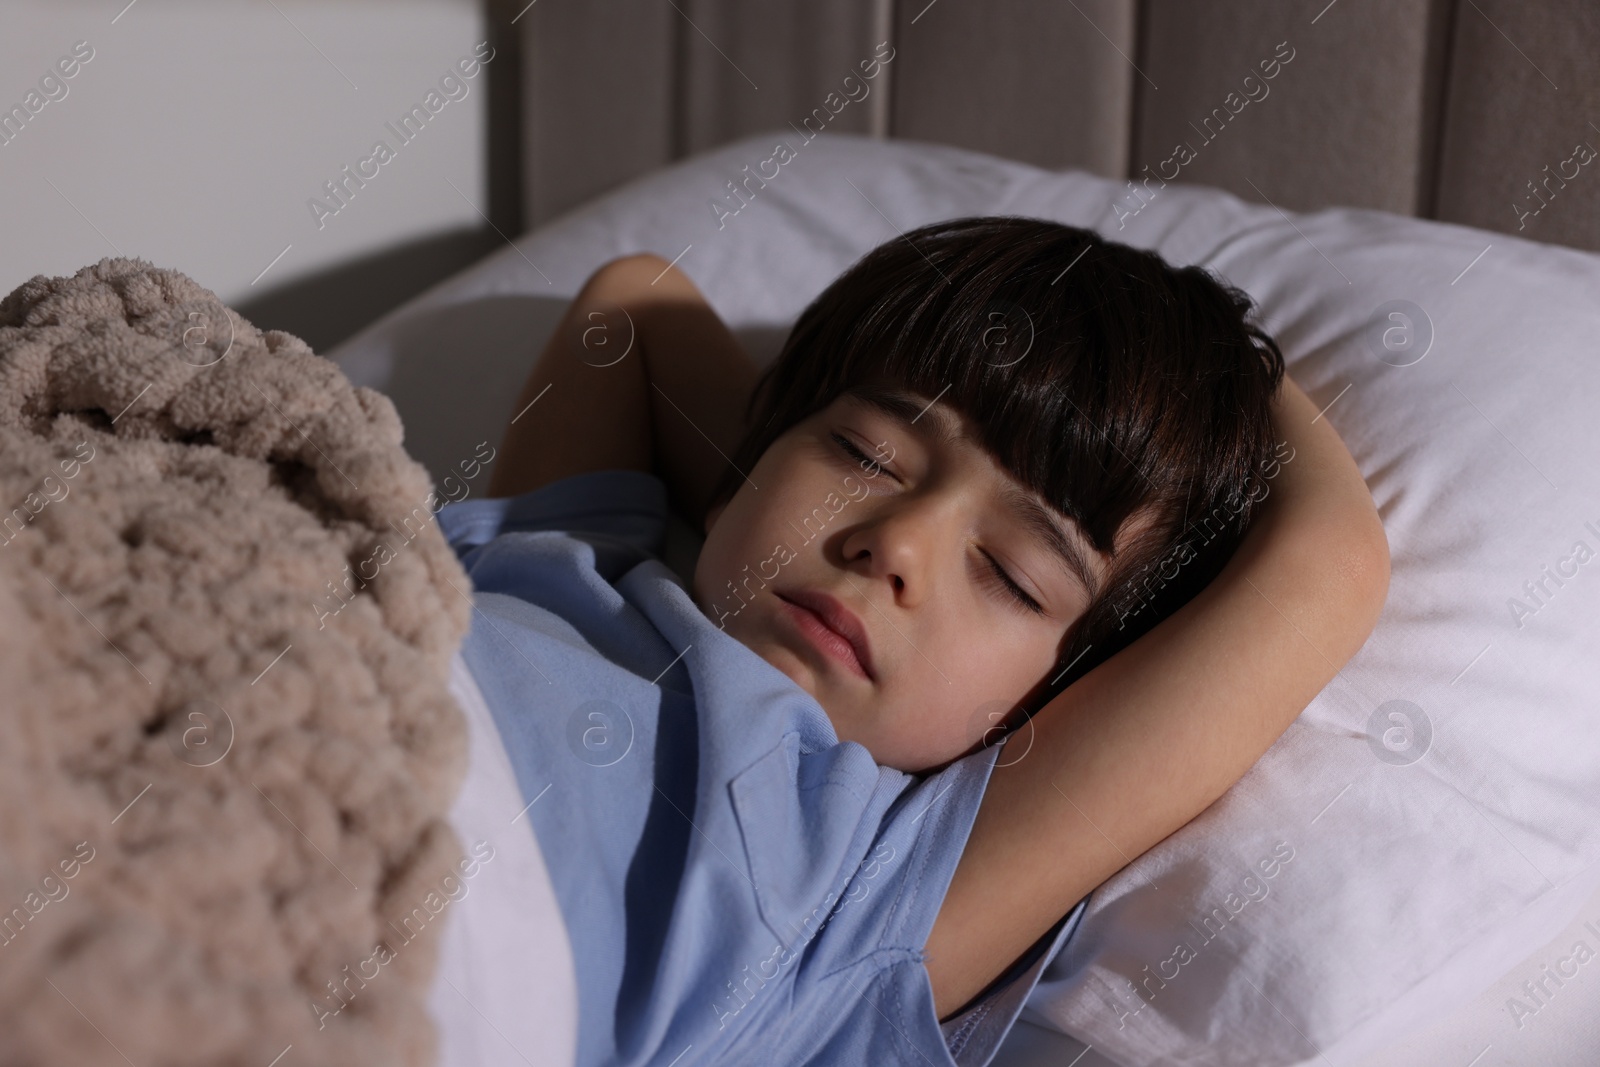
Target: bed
x=1432, y=812
x=1405, y=190
x=1464, y=111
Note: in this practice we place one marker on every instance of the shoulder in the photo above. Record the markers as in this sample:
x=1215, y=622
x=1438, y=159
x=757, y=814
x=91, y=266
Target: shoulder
x=622, y=504
x=835, y=839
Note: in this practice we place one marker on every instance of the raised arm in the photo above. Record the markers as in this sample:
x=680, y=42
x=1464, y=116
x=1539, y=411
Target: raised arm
x=639, y=374
x=1148, y=739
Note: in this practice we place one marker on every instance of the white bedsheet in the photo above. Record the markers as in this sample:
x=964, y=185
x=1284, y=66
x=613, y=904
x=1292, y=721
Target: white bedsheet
x=504, y=994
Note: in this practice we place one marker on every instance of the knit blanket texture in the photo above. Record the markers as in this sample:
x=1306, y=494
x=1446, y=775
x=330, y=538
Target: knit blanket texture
x=227, y=746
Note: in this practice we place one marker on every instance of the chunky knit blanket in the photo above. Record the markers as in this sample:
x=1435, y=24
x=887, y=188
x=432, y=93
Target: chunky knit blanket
x=227, y=750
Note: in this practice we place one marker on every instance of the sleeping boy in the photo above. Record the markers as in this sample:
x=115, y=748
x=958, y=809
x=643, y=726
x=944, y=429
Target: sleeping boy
x=1019, y=554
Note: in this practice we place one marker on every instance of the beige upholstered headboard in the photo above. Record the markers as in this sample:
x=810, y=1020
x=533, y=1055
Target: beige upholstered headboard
x=1483, y=112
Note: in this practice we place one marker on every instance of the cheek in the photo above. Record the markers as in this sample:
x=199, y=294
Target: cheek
x=983, y=672
x=722, y=543
x=998, y=667
x=743, y=533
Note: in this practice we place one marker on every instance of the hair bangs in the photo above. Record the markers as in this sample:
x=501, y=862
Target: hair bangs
x=1131, y=396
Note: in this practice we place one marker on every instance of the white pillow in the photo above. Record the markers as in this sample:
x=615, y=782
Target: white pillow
x=1386, y=882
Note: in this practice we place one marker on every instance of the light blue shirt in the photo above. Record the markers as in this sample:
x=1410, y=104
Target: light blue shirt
x=738, y=886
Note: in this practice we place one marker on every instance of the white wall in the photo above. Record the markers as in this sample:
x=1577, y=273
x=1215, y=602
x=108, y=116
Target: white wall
x=199, y=130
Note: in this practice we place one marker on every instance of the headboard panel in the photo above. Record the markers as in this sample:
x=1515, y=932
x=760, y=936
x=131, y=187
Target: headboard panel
x=1046, y=83
x=774, y=64
x=1447, y=109
x=1524, y=93
x=1342, y=119
x=599, y=99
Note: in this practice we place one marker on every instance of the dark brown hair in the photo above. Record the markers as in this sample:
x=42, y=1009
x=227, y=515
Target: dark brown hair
x=1105, y=380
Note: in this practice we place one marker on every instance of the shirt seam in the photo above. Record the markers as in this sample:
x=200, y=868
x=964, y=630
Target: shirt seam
x=958, y=1041
x=912, y=882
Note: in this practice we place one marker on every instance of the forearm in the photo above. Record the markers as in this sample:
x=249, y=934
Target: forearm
x=1145, y=741
x=1224, y=676
x=700, y=384
x=640, y=373
x=585, y=405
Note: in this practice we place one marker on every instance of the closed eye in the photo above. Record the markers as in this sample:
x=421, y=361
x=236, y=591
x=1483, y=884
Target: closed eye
x=867, y=463
x=998, y=574
x=1019, y=594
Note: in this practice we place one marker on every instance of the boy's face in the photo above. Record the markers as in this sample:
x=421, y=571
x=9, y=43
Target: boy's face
x=903, y=528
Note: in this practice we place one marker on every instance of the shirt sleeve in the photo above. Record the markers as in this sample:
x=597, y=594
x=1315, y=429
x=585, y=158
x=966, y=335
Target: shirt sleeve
x=947, y=803
x=868, y=949
x=974, y=1036
x=620, y=512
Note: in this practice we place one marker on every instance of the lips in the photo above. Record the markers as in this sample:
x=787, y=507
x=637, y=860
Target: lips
x=838, y=619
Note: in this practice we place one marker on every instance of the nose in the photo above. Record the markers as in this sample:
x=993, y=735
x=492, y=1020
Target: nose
x=899, y=542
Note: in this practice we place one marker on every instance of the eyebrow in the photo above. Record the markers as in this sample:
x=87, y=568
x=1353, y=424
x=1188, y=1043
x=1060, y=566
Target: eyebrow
x=942, y=426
